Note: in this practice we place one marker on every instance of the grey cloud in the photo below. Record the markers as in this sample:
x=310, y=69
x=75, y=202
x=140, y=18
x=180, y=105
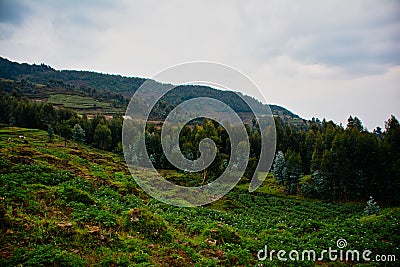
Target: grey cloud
x=353, y=50
x=349, y=36
x=13, y=11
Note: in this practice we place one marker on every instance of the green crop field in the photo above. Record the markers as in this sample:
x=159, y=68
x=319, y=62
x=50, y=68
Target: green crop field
x=77, y=206
x=78, y=102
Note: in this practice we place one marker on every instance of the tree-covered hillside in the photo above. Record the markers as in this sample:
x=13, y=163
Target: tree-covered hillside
x=42, y=81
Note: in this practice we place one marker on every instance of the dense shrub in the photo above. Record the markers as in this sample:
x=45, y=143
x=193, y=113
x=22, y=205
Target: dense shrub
x=145, y=223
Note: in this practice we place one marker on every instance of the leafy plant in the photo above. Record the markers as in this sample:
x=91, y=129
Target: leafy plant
x=143, y=222
x=372, y=207
x=43, y=255
x=70, y=193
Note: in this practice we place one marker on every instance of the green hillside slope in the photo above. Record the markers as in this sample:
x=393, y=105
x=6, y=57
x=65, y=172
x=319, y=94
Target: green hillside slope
x=77, y=206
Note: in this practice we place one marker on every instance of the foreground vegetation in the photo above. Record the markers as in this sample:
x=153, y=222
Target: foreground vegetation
x=72, y=205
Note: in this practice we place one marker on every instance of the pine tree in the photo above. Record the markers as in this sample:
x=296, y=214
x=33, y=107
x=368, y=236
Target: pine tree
x=391, y=146
x=12, y=121
x=78, y=133
x=355, y=124
x=50, y=133
x=279, y=167
x=372, y=207
x=321, y=185
x=292, y=172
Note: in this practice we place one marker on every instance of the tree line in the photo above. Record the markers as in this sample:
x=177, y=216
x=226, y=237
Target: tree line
x=322, y=160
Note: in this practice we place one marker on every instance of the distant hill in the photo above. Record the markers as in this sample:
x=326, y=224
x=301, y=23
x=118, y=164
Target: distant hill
x=109, y=93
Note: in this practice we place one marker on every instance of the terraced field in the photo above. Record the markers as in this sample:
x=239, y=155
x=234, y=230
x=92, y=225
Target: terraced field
x=80, y=103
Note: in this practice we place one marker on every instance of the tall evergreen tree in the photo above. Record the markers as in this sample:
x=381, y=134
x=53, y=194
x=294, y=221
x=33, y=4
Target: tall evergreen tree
x=50, y=133
x=278, y=168
x=292, y=172
x=78, y=133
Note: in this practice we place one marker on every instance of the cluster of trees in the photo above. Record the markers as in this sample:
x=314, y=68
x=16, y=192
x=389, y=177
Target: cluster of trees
x=189, y=141
x=340, y=163
x=323, y=160
x=98, y=131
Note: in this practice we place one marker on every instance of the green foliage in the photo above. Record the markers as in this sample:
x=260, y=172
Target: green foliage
x=337, y=153
x=12, y=121
x=79, y=134
x=43, y=255
x=42, y=116
x=70, y=193
x=287, y=170
x=37, y=173
x=64, y=130
x=278, y=168
x=372, y=207
x=92, y=214
x=143, y=222
x=5, y=165
x=102, y=137
x=90, y=90
x=3, y=211
x=121, y=260
x=44, y=187
x=84, y=218
x=355, y=124
x=50, y=133
x=322, y=186
x=222, y=234
x=77, y=102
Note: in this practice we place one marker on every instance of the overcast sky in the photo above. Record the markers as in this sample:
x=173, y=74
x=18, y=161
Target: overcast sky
x=325, y=59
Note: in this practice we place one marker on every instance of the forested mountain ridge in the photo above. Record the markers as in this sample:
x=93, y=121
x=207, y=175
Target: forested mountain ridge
x=39, y=82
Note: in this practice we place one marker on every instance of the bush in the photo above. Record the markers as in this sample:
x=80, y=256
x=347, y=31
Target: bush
x=70, y=193
x=40, y=174
x=372, y=207
x=3, y=211
x=93, y=214
x=4, y=165
x=42, y=255
x=115, y=261
x=223, y=234
x=144, y=222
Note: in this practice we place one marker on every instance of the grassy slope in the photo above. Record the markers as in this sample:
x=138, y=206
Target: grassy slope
x=78, y=206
